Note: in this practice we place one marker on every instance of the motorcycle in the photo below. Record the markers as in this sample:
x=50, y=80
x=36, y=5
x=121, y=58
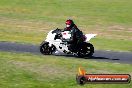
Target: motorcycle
x=55, y=43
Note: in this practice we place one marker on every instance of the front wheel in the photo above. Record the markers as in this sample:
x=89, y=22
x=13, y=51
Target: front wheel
x=46, y=49
x=86, y=50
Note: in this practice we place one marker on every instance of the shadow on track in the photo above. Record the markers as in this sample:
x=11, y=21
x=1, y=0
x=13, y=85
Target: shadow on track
x=92, y=57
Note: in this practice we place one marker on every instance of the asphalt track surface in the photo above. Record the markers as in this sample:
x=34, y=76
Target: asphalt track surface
x=99, y=55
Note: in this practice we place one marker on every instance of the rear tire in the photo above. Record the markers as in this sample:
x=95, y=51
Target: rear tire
x=45, y=48
x=86, y=50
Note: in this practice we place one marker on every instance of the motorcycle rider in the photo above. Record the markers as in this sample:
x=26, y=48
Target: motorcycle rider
x=76, y=35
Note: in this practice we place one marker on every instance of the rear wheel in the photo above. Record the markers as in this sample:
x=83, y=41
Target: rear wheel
x=86, y=50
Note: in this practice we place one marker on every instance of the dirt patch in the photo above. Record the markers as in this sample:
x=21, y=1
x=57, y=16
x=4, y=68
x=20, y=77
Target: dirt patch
x=113, y=31
x=130, y=29
x=26, y=24
x=119, y=28
x=116, y=27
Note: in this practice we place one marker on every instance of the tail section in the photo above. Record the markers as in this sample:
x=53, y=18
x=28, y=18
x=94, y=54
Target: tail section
x=89, y=36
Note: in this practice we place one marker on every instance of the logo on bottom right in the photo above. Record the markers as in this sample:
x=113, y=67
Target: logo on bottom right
x=82, y=78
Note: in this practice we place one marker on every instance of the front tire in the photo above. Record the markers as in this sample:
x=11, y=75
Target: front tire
x=45, y=48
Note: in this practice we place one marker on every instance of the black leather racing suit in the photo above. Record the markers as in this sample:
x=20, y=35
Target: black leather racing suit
x=76, y=38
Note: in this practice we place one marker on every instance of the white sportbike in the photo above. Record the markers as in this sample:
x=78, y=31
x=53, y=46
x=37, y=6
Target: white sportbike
x=54, y=43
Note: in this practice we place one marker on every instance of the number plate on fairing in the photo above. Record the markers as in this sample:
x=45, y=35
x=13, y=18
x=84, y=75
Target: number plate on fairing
x=66, y=35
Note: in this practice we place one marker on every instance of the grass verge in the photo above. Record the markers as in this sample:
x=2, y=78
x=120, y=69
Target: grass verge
x=37, y=71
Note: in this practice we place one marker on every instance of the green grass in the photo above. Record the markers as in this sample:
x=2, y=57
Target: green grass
x=38, y=71
x=117, y=11
x=112, y=44
x=29, y=21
